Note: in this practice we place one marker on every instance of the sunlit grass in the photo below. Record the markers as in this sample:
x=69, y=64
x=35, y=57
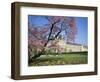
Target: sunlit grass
x=61, y=59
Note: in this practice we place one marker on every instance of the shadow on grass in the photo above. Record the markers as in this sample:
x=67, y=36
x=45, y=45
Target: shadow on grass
x=62, y=59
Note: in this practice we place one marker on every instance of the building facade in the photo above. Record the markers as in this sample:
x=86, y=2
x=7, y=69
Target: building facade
x=61, y=46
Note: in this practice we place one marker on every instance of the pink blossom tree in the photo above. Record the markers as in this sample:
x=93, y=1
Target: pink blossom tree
x=39, y=37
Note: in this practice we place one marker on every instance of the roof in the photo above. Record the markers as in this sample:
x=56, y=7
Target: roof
x=74, y=43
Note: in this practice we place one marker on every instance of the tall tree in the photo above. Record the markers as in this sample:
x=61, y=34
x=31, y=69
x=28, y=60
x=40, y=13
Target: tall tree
x=40, y=36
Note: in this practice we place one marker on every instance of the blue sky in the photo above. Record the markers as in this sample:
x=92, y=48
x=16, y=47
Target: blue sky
x=82, y=27
x=81, y=23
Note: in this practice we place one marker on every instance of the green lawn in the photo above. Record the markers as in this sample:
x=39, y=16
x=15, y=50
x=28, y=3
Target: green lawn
x=62, y=59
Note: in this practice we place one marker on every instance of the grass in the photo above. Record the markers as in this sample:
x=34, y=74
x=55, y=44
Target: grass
x=62, y=59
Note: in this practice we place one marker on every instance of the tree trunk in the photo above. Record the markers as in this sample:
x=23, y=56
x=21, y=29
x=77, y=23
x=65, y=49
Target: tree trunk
x=43, y=50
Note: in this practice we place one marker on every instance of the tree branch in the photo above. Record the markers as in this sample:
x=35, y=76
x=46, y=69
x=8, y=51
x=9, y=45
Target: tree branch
x=58, y=32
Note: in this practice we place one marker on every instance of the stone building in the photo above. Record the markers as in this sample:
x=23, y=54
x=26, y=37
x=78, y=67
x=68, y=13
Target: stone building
x=62, y=46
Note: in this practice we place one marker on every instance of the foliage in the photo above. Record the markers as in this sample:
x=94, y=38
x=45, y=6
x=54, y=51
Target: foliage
x=57, y=26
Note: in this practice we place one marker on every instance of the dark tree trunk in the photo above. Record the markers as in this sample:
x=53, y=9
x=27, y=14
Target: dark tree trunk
x=43, y=50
